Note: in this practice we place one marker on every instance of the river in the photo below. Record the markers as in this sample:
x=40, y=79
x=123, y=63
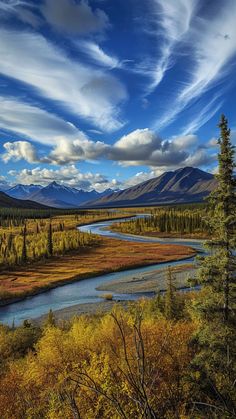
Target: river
x=84, y=291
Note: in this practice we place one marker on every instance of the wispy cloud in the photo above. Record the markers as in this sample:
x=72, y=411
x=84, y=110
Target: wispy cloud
x=203, y=115
x=98, y=55
x=34, y=123
x=213, y=45
x=89, y=93
x=171, y=20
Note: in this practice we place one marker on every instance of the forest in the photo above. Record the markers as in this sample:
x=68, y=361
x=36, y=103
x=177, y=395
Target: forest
x=172, y=356
x=185, y=220
x=31, y=235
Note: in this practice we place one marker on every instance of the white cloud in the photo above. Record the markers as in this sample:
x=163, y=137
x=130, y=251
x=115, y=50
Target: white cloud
x=77, y=150
x=96, y=53
x=172, y=21
x=19, y=150
x=68, y=175
x=135, y=145
x=21, y=10
x=74, y=17
x=203, y=115
x=140, y=147
x=33, y=122
x=212, y=43
x=91, y=94
x=139, y=178
x=145, y=147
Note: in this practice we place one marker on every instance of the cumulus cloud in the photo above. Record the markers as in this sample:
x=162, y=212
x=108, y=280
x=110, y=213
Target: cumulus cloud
x=145, y=147
x=19, y=150
x=141, y=147
x=33, y=122
x=136, y=145
x=74, y=17
x=89, y=93
x=68, y=175
x=77, y=150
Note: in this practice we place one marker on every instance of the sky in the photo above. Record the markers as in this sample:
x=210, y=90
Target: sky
x=99, y=94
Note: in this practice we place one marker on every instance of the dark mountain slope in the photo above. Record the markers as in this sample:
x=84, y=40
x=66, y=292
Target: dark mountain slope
x=9, y=202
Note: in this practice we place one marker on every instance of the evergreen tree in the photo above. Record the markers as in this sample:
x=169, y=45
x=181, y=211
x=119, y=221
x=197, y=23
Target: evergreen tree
x=218, y=269
x=50, y=240
x=216, y=360
x=170, y=297
x=24, y=246
x=50, y=321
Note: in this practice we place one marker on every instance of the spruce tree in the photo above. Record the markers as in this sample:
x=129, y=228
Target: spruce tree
x=50, y=321
x=218, y=269
x=216, y=360
x=24, y=246
x=170, y=297
x=50, y=240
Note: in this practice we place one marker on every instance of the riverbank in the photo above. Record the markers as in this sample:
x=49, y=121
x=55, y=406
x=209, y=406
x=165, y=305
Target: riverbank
x=161, y=235
x=111, y=255
x=150, y=282
x=145, y=283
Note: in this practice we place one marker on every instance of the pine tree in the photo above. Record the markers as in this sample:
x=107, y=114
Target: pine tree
x=216, y=312
x=50, y=240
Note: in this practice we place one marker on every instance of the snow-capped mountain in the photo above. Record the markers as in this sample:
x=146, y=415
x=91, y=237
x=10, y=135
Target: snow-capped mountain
x=23, y=191
x=61, y=196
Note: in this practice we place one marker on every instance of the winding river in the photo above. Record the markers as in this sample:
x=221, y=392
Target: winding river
x=85, y=291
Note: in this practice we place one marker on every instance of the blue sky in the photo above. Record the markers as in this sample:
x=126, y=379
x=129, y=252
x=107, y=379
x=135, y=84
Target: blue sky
x=102, y=93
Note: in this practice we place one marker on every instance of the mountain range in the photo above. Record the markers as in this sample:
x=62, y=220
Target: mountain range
x=180, y=186
x=55, y=195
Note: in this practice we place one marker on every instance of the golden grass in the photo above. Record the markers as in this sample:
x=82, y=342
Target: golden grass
x=109, y=256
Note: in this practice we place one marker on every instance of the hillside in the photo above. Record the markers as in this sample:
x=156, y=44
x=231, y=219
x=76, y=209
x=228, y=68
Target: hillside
x=180, y=186
x=9, y=202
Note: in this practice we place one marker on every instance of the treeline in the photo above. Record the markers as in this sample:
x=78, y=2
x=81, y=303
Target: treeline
x=12, y=217
x=28, y=236
x=168, y=220
x=41, y=241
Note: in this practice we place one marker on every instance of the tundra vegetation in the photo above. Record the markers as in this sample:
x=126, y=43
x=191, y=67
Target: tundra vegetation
x=169, y=357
